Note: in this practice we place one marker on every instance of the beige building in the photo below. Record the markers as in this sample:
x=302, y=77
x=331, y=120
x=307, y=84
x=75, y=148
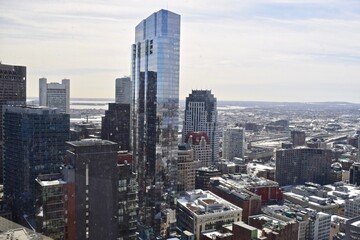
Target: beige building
x=199, y=142
x=199, y=211
x=185, y=168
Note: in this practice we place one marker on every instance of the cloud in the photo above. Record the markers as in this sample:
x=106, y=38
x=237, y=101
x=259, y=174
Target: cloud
x=232, y=43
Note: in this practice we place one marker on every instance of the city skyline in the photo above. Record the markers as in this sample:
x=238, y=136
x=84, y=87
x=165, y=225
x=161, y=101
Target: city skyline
x=274, y=50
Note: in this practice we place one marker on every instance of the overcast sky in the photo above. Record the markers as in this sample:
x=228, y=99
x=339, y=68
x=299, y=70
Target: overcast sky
x=272, y=50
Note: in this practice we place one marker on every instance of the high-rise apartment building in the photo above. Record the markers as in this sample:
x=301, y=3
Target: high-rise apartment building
x=34, y=144
x=202, y=150
x=233, y=143
x=92, y=189
x=115, y=125
x=55, y=95
x=185, y=168
x=300, y=165
x=123, y=90
x=201, y=116
x=155, y=78
x=13, y=90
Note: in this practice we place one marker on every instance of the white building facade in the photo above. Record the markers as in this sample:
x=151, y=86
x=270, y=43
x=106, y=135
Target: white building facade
x=200, y=211
x=55, y=95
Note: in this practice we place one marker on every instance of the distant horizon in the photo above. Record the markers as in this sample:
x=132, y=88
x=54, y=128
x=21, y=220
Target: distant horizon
x=222, y=101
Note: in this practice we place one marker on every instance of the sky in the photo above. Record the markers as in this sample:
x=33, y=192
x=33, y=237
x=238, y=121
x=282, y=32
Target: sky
x=258, y=50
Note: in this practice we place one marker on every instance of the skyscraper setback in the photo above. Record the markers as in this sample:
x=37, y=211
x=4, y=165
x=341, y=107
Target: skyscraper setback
x=201, y=116
x=155, y=77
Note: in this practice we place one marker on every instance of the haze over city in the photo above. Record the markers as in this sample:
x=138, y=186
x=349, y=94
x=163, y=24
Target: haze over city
x=274, y=50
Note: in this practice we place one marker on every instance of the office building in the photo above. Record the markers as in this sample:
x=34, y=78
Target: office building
x=248, y=201
x=128, y=202
x=200, y=210
x=202, y=150
x=186, y=168
x=355, y=174
x=55, y=95
x=298, y=138
x=300, y=165
x=13, y=90
x=115, y=125
x=203, y=175
x=268, y=190
x=201, y=116
x=123, y=90
x=233, y=143
x=92, y=180
x=155, y=79
x=34, y=144
x=352, y=228
x=274, y=228
x=320, y=226
x=50, y=207
x=352, y=207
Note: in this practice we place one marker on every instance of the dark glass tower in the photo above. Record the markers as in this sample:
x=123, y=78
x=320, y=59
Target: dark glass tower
x=13, y=90
x=34, y=143
x=115, y=125
x=155, y=77
x=201, y=116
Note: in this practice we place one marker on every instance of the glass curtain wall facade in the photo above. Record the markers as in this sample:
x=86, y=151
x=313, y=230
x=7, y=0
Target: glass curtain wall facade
x=155, y=74
x=155, y=78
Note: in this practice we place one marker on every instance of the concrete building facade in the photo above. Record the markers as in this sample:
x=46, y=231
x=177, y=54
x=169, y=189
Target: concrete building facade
x=55, y=95
x=299, y=165
x=123, y=90
x=92, y=178
x=233, y=143
x=186, y=168
x=202, y=150
x=199, y=211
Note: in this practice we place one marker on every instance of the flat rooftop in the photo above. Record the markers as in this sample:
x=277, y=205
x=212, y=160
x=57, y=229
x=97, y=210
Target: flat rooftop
x=201, y=202
x=50, y=183
x=90, y=142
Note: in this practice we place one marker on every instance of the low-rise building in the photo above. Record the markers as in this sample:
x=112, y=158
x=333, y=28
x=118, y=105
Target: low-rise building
x=274, y=228
x=199, y=211
x=237, y=195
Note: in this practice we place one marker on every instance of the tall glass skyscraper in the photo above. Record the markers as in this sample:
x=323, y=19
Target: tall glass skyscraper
x=155, y=77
